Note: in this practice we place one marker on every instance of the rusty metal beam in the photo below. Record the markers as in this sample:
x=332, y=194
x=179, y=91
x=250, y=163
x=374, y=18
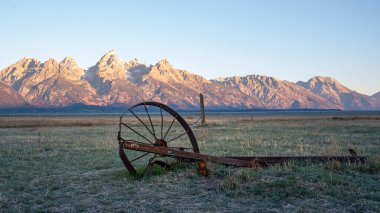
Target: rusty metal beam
x=252, y=161
x=282, y=159
x=183, y=154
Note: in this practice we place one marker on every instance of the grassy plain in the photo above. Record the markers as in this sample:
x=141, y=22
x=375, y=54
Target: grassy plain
x=71, y=164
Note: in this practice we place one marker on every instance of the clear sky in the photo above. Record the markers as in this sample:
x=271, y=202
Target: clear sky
x=289, y=40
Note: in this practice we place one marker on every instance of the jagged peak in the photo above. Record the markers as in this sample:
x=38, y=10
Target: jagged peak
x=323, y=79
x=163, y=64
x=258, y=77
x=109, y=67
x=27, y=63
x=261, y=77
x=68, y=62
x=50, y=62
x=320, y=80
x=69, y=69
x=163, y=61
x=133, y=62
x=67, y=59
x=325, y=84
x=109, y=58
x=110, y=52
x=220, y=78
x=24, y=60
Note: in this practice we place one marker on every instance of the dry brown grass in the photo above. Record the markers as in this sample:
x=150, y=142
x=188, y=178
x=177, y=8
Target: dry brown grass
x=56, y=121
x=71, y=164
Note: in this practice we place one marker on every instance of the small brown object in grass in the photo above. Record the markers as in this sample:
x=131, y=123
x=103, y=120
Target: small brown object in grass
x=202, y=168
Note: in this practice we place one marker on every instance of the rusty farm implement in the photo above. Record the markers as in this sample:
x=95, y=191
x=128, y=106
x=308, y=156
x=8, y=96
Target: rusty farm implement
x=152, y=133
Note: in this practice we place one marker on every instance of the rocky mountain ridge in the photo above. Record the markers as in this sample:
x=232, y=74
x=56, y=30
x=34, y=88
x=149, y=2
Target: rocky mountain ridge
x=376, y=96
x=277, y=94
x=338, y=94
x=9, y=98
x=112, y=82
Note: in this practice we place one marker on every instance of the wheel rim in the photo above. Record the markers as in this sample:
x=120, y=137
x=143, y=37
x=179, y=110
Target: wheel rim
x=154, y=124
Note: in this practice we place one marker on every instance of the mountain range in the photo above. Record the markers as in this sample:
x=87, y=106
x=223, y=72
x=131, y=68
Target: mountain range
x=112, y=82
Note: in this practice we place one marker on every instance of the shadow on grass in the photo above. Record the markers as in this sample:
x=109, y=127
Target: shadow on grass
x=155, y=172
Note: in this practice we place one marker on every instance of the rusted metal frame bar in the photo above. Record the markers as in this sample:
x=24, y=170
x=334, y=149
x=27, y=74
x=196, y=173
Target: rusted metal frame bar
x=235, y=160
x=186, y=155
x=282, y=159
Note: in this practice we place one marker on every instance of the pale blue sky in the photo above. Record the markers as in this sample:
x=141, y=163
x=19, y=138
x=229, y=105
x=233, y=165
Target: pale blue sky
x=289, y=40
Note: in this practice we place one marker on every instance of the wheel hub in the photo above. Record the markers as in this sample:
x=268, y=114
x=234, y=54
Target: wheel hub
x=161, y=143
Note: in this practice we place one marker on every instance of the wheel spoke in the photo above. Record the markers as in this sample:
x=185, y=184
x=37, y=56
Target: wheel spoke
x=140, y=156
x=162, y=121
x=178, y=136
x=137, y=133
x=169, y=127
x=150, y=161
x=143, y=124
x=150, y=120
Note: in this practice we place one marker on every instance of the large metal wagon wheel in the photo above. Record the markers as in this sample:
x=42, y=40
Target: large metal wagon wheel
x=153, y=124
